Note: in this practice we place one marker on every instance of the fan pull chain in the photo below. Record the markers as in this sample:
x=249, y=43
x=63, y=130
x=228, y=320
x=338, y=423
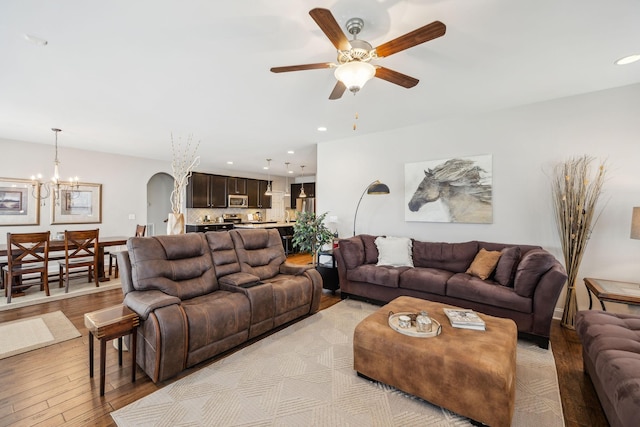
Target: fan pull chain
x=354, y=123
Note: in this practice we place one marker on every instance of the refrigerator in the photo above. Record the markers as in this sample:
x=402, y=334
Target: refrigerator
x=307, y=204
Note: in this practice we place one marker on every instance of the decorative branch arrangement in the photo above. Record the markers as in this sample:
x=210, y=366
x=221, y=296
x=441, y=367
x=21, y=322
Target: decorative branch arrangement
x=184, y=160
x=575, y=196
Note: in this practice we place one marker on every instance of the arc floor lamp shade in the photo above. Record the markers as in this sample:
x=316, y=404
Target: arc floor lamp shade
x=375, y=188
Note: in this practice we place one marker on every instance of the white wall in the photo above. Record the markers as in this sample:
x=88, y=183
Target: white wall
x=525, y=143
x=124, y=183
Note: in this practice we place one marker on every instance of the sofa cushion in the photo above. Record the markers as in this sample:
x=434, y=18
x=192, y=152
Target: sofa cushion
x=180, y=265
x=394, y=251
x=223, y=253
x=507, y=264
x=484, y=263
x=215, y=316
x=531, y=267
x=429, y=280
x=370, y=248
x=378, y=275
x=290, y=292
x=260, y=251
x=455, y=257
x=352, y=250
x=470, y=288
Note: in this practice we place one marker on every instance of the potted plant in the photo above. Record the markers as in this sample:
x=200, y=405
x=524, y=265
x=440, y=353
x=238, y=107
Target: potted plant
x=310, y=234
x=182, y=164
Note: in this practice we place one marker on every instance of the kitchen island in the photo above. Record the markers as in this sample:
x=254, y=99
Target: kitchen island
x=265, y=224
x=284, y=228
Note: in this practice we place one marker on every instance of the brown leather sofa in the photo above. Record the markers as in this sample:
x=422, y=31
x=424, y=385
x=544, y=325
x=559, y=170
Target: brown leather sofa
x=199, y=295
x=524, y=286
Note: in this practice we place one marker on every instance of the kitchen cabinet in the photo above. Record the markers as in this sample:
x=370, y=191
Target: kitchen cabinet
x=207, y=191
x=309, y=190
x=255, y=191
x=237, y=186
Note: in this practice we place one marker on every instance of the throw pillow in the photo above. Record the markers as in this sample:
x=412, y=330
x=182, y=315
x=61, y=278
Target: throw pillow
x=394, y=251
x=484, y=263
x=506, y=268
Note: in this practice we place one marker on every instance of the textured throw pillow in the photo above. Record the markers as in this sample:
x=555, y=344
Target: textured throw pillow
x=484, y=263
x=506, y=268
x=394, y=251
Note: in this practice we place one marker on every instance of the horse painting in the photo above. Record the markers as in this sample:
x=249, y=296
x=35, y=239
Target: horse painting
x=460, y=186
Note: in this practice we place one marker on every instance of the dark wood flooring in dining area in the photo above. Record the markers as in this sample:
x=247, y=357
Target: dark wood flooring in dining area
x=51, y=386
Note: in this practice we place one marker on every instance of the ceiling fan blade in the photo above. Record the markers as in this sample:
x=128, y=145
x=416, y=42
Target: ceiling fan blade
x=423, y=34
x=330, y=28
x=338, y=90
x=303, y=67
x=396, y=77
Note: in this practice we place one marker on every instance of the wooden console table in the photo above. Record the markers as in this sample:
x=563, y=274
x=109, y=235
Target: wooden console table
x=613, y=291
x=107, y=324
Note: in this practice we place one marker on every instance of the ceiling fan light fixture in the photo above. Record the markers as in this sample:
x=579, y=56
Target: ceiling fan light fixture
x=355, y=74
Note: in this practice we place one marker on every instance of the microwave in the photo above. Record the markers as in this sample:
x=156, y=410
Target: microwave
x=236, y=201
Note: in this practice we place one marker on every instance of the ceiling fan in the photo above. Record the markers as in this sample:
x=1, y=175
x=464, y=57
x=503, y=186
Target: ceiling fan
x=354, y=69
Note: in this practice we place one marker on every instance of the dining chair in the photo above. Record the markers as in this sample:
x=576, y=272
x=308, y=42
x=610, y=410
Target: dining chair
x=80, y=251
x=113, y=259
x=27, y=253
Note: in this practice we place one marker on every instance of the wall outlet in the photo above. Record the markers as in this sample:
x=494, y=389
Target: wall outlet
x=333, y=218
x=132, y=216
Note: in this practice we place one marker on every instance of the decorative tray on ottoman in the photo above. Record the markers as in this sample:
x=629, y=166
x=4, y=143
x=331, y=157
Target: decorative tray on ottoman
x=394, y=323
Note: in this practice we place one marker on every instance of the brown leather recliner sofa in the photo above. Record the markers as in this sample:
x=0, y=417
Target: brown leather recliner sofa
x=199, y=295
x=524, y=286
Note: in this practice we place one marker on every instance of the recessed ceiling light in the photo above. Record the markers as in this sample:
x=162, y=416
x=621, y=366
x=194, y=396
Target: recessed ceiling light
x=290, y=152
x=322, y=129
x=290, y=171
x=35, y=40
x=229, y=162
x=628, y=59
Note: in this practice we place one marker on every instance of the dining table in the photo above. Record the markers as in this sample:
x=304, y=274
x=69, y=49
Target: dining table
x=57, y=245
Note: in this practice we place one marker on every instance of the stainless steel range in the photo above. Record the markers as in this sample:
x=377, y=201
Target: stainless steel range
x=233, y=218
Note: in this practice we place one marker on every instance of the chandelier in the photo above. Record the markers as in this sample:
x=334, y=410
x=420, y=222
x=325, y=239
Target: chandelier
x=268, y=168
x=45, y=189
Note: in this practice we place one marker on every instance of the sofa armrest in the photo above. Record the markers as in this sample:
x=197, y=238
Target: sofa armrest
x=294, y=269
x=545, y=298
x=144, y=302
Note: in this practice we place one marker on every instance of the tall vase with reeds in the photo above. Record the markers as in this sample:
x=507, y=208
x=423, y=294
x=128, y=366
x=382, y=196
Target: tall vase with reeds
x=182, y=164
x=576, y=188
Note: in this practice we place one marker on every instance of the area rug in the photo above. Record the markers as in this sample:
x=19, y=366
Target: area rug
x=303, y=375
x=77, y=286
x=20, y=336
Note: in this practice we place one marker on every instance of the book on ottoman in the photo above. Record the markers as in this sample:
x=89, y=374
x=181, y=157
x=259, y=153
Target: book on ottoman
x=466, y=319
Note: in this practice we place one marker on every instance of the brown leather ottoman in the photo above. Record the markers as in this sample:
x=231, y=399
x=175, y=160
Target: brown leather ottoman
x=472, y=373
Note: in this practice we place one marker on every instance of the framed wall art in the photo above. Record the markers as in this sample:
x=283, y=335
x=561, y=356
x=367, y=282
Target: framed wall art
x=449, y=190
x=19, y=202
x=81, y=204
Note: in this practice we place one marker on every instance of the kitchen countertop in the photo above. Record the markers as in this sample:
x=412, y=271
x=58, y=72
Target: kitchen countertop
x=268, y=224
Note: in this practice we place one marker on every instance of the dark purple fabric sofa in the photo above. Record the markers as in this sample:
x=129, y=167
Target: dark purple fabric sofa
x=611, y=357
x=199, y=295
x=525, y=285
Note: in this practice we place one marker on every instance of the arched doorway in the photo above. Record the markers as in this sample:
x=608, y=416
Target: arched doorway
x=159, y=190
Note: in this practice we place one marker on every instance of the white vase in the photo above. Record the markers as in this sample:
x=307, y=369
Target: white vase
x=175, y=223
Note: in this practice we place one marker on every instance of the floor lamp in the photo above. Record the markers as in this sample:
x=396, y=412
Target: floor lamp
x=376, y=187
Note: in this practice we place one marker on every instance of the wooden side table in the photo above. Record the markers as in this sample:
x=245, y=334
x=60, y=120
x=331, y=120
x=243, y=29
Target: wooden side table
x=105, y=325
x=614, y=291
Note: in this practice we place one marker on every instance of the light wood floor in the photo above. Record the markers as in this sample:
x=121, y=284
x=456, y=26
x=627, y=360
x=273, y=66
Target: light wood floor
x=51, y=386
